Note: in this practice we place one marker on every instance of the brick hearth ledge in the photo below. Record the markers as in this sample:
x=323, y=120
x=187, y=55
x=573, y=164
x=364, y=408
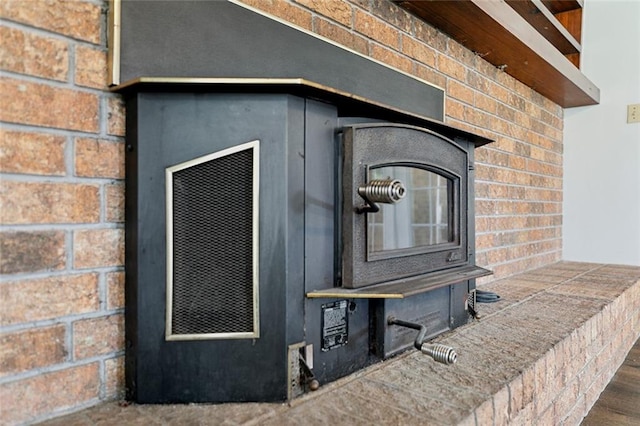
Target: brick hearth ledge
x=542, y=355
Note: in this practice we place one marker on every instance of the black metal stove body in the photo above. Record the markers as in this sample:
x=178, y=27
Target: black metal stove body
x=256, y=267
x=241, y=237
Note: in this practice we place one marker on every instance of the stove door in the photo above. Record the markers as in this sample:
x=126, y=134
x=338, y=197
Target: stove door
x=425, y=228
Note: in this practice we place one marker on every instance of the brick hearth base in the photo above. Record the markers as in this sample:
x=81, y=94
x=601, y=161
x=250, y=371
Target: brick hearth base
x=541, y=355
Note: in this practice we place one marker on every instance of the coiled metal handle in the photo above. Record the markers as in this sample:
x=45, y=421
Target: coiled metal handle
x=386, y=191
x=440, y=353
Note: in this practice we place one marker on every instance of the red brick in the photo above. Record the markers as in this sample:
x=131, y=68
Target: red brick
x=341, y=36
x=336, y=10
x=32, y=251
x=523, y=120
x=460, y=91
x=393, y=14
x=32, y=153
x=376, y=29
x=115, y=290
x=91, y=67
x=544, y=168
x=501, y=407
x=480, y=82
x=532, y=109
x=25, y=400
x=498, y=92
x=504, y=144
x=506, y=80
x=98, y=336
x=454, y=109
x=506, y=112
x=430, y=35
x=484, y=241
x=518, y=163
x=26, y=53
x=76, y=19
x=486, y=68
x=114, y=377
x=499, y=158
x=478, y=118
x=525, y=417
x=461, y=54
x=35, y=348
x=470, y=420
x=99, y=158
x=429, y=75
x=391, y=58
x=116, y=116
x=484, y=413
x=35, y=202
x=540, y=377
x=114, y=202
x=576, y=414
x=485, y=103
x=48, y=298
x=452, y=68
x=288, y=12
x=42, y=105
x=548, y=417
x=419, y=51
x=528, y=386
x=543, y=194
x=98, y=248
x=365, y=4
x=553, y=158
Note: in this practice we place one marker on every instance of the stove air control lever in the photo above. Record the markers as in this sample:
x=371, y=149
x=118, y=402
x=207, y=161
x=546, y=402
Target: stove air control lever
x=439, y=353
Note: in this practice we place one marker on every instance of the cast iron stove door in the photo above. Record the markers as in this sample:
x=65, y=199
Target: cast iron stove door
x=422, y=230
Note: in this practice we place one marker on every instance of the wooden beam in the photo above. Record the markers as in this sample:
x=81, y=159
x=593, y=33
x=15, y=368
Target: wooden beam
x=540, y=18
x=558, y=6
x=501, y=36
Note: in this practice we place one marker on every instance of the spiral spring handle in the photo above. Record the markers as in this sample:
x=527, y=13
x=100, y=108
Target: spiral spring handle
x=440, y=353
x=386, y=191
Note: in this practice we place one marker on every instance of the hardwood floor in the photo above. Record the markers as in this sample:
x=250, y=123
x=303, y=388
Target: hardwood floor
x=619, y=403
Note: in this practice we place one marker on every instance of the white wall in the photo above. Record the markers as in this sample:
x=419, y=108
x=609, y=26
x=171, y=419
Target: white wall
x=602, y=151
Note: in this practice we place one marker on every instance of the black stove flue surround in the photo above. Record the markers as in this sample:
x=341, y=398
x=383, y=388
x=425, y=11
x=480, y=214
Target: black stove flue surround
x=252, y=271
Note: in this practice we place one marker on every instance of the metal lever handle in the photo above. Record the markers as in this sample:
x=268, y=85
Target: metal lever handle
x=309, y=377
x=440, y=353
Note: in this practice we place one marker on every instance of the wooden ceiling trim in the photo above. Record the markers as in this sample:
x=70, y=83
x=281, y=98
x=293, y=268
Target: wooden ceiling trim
x=502, y=37
x=540, y=18
x=558, y=6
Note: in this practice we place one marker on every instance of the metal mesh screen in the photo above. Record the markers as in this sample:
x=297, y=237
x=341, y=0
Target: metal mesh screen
x=212, y=246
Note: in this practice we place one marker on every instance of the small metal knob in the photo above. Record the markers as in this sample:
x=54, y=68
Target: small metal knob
x=440, y=353
x=314, y=384
x=386, y=191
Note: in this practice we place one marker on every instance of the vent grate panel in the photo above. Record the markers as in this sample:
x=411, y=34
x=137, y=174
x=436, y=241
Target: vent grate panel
x=213, y=246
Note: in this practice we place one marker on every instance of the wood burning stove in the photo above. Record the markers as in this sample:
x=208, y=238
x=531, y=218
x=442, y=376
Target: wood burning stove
x=282, y=234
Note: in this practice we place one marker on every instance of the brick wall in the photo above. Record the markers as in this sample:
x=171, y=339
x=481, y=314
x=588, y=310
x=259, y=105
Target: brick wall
x=61, y=153
x=62, y=194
